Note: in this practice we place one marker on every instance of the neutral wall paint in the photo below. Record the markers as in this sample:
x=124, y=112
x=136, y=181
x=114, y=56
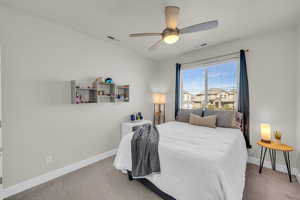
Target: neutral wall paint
x=39, y=59
x=272, y=78
x=298, y=100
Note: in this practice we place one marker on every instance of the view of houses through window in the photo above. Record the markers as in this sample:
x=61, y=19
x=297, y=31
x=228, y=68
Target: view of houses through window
x=213, y=87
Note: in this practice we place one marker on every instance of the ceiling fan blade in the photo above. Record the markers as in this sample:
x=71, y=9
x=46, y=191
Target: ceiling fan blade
x=144, y=34
x=199, y=27
x=155, y=45
x=172, y=14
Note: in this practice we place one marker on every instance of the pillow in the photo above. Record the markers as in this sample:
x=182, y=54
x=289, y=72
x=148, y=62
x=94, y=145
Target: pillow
x=224, y=117
x=183, y=115
x=209, y=121
x=237, y=121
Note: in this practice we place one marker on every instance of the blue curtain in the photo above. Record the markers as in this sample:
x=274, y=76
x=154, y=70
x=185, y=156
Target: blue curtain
x=243, y=102
x=177, y=88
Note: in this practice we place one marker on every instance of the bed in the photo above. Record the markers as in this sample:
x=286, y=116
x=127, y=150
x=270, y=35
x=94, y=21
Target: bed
x=196, y=162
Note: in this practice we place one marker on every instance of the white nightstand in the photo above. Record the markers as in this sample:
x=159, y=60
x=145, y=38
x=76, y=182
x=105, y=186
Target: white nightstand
x=126, y=127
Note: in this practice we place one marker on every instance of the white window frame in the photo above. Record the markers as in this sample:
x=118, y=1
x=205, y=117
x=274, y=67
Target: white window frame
x=207, y=65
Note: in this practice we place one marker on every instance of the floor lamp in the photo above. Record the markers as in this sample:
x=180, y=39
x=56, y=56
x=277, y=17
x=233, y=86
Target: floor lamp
x=159, y=101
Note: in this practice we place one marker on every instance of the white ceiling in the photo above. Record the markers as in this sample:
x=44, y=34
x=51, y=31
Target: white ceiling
x=98, y=18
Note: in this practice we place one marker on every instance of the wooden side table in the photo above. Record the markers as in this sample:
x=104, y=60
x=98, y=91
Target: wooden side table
x=273, y=147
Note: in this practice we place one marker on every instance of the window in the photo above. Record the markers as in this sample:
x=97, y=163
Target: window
x=212, y=86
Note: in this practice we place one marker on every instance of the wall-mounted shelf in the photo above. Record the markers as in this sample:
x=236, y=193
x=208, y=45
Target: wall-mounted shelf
x=99, y=93
x=82, y=95
x=106, y=92
x=122, y=94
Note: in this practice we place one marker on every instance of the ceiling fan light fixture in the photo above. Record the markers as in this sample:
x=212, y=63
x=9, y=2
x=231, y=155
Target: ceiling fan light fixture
x=171, y=33
x=171, y=39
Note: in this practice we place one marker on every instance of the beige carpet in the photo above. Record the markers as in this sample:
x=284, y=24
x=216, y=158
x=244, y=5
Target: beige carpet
x=101, y=181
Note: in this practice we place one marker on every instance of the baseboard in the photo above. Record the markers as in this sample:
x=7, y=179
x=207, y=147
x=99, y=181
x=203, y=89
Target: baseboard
x=25, y=185
x=279, y=167
x=20, y=187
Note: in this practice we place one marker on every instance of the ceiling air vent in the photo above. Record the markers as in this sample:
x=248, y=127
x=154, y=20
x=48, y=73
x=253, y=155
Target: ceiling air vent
x=112, y=38
x=204, y=44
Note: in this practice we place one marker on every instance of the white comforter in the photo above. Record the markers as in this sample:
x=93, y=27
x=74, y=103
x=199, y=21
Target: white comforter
x=197, y=163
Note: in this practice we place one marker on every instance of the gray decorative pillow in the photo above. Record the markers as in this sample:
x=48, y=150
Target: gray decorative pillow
x=237, y=121
x=224, y=117
x=183, y=115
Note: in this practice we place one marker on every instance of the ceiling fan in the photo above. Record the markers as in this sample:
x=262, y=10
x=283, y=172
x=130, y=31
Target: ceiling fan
x=170, y=35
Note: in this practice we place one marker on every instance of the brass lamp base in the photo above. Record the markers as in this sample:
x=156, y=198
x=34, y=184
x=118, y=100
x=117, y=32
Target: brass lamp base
x=266, y=141
x=159, y=115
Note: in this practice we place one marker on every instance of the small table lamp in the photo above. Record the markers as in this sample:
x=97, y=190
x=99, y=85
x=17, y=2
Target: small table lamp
x=265, y=133
x=159, y=99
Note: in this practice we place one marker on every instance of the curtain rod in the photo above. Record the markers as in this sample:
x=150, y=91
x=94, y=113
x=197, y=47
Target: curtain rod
x=215, y=57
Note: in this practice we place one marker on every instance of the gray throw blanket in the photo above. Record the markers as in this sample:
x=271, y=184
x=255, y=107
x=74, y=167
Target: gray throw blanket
x=144, y=151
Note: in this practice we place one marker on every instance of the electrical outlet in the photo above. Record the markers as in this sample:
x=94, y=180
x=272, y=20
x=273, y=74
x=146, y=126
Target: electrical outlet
x=49, y=160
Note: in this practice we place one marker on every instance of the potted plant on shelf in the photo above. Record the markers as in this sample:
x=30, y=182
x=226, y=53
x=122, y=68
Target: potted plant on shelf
x=277, y=135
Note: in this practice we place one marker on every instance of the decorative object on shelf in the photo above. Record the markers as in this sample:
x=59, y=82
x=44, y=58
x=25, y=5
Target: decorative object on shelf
x=100, y=80
x=132, y=117
x=78, y=99
x=265, y=132
x=159, y=100
x=136, y=116
x=108, y=80
x=140, y=116
x=277, y=135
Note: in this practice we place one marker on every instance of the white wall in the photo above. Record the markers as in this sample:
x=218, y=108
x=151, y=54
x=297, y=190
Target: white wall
x=298, y=100
x=38, y=61
x=272, y=79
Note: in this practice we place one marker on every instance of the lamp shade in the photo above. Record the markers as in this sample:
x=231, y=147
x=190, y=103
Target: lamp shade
x=265, y=132
x=159, y=98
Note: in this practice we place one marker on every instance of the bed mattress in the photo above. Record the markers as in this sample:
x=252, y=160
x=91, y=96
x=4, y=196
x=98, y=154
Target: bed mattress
x=196, y=162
